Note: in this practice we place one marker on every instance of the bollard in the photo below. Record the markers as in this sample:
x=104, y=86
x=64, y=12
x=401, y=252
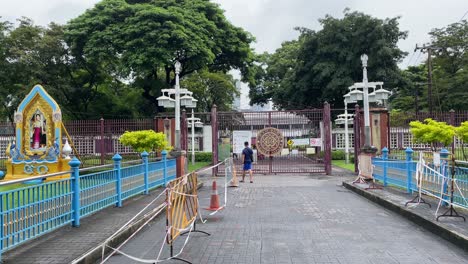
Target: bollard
x=145, y=155
x=444, y=154
x=164, y=159
x=118, y=183
x=409, y=165
x=385, y=165
x=75, y=188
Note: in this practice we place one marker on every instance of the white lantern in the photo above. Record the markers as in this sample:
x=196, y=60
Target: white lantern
x=372, y=97
x=382, y=94
x=186, y=100
x=356, y=95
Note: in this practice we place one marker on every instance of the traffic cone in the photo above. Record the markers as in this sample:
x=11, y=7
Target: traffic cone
x=234, y=182
x=214, y=202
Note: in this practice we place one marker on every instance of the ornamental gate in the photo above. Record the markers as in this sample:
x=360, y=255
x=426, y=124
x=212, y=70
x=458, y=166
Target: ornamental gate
x=295, y=141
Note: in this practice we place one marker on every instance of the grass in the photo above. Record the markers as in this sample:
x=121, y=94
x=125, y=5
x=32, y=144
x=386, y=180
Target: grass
x=342, y=164
x=197, y=165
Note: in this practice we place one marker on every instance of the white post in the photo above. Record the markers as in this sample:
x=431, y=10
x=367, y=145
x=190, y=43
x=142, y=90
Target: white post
x=193, y=138
x=177, y=106
x=367, y=140
x=346, y=131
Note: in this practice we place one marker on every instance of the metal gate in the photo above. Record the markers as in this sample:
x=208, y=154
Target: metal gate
x=305, y=129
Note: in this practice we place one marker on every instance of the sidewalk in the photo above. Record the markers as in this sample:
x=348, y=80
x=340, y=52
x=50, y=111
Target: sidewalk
x=68, y=243
x=453, y=229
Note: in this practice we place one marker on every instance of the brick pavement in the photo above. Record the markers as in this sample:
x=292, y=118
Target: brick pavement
x=300, y=219
x=68, y=243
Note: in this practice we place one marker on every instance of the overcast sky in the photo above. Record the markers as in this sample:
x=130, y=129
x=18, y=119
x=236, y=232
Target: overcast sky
x=272, y=21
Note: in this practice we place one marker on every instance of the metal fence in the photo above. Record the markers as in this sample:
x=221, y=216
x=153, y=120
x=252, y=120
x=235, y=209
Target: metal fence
x=401, y=137
x=29, y=212
x=402, y=174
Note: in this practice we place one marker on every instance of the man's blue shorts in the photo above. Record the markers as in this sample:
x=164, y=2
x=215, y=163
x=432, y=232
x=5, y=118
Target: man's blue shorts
x=247, y=166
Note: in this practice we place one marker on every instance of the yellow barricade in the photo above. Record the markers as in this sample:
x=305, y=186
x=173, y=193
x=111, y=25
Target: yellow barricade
x=182, y=206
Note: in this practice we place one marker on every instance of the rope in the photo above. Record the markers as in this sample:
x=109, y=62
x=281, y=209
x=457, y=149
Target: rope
x=128, y=223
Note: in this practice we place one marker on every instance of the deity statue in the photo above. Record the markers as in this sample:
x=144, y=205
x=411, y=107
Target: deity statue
x=38, y=131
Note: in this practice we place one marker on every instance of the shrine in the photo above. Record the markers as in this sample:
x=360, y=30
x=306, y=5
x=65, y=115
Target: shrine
x=37, y=148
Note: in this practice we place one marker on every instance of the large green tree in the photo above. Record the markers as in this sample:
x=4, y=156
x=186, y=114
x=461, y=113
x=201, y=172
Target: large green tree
x=211, y=88
x=450, y=65
x=328, y=61
x=139, y=41
x=31, y=54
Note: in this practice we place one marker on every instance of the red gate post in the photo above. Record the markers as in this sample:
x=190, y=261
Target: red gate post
x=357, y=136
x=102, y=140
x=270, y=165
x=327, y=129
x=214, y=138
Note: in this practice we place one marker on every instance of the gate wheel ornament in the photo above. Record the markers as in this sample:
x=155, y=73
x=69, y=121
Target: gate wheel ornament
x=269, y=141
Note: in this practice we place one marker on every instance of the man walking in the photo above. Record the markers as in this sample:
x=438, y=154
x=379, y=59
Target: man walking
x=247, y=158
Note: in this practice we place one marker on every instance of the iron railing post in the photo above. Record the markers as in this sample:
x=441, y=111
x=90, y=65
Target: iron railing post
x=409, y=166
x=75, y=189
x=144, y=156
x=444, y=156
x=164, y=160
x=385, y=164
x=118, y=181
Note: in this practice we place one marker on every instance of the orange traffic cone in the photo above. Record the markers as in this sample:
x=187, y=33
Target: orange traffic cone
x=214, y=202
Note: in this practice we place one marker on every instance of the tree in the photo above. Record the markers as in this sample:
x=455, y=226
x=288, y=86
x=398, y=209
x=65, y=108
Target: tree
x=211, y=88
x=145, y=140
x=328, y=61
x=432, y=132
x=140, y=41
x=411, y=95
x=451, y=66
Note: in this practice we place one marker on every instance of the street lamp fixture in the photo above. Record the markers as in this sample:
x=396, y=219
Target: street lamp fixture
x=355, y=95
x=167, y=101
x=194, y=122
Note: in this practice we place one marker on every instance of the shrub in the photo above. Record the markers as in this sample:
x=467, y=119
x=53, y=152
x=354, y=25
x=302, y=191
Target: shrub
x=145, y=140
x=338, y=155
x=201, y=156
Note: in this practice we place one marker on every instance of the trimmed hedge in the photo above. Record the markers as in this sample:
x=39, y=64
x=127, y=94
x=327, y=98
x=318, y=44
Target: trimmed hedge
x=201, y=156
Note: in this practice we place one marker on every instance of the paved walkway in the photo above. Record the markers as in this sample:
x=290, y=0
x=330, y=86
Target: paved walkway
x=300, y=219
x=68, y=243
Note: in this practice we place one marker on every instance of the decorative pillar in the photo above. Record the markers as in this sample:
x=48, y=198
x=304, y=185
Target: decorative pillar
x=118, y=181
x=144, y=156
x=75, y=187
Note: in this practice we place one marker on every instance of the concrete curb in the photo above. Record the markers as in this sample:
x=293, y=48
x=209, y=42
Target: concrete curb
x=427, y=224
x=95, y=254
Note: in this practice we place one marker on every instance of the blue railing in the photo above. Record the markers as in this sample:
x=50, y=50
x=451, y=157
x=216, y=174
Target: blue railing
x=26, y=213
x=402, y=173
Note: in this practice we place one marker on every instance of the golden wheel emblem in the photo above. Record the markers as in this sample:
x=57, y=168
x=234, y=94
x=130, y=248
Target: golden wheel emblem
x=269, y=141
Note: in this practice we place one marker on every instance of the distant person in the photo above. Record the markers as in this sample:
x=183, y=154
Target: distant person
x=247, y=159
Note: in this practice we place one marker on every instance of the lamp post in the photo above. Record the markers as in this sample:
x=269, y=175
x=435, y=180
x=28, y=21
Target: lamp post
x=178, y=68
x=186, y=100
x=347, y=101
x=194, y=122
x=367, y=140
x=355, y=95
